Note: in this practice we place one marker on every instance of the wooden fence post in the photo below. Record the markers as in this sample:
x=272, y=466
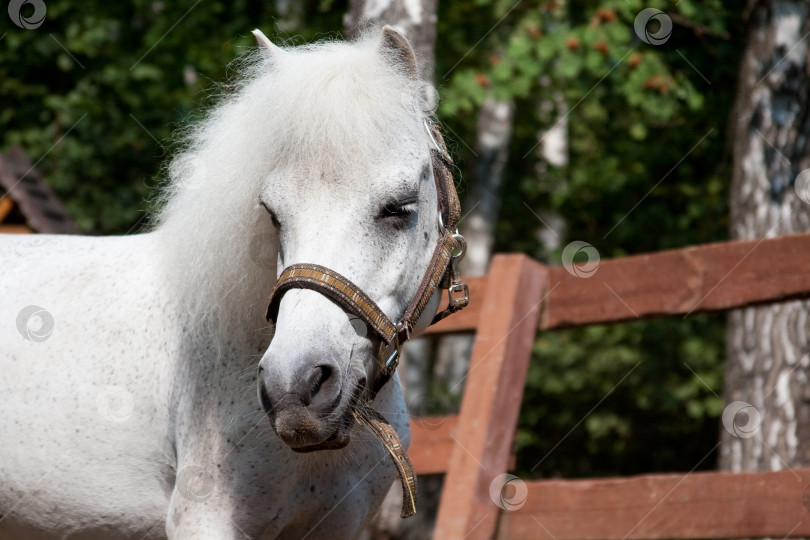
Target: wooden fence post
x=493, y=392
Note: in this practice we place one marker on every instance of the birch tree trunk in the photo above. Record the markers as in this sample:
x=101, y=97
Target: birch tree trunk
x=767, y=419
x=416, y=18
x=494, y=131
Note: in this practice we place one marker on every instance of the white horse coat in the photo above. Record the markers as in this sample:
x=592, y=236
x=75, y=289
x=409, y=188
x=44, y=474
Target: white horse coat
x=128, y=403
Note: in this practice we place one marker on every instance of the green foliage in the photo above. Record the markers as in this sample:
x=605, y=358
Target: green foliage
x=613, y=400
x=134, y=73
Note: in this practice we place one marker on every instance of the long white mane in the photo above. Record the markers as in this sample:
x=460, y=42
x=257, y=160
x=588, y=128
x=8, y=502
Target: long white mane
x=327, y=110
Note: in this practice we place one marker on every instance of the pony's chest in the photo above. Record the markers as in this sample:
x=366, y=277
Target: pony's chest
x=319, y=495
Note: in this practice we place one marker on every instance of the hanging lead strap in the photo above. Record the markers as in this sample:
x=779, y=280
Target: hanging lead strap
x=407, y=476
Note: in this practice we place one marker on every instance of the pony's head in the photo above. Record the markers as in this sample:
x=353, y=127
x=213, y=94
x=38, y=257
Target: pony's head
x=350, y=188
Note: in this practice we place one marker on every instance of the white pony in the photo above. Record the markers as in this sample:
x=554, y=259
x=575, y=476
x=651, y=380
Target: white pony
x=128, y=365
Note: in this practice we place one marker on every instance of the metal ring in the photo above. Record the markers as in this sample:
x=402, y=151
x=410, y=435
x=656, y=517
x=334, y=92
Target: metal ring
x=461, y=244
x=430, y=136
x=441, y=223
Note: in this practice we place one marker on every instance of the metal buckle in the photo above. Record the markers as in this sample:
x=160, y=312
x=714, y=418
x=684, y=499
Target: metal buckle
x=458, y=302
x=457, y=292
x=391, y=364
x=388, y=367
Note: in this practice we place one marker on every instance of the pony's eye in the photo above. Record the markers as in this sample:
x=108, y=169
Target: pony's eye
x=397, y=210
x=273, y=217
x=398, y=213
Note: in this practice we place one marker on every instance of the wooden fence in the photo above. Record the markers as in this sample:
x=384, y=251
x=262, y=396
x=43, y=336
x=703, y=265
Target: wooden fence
x=27, y=204
x=520, y=296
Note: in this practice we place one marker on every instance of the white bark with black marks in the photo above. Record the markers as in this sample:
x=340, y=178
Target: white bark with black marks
x=416, y=18
x=768, y=352
x=494, y=132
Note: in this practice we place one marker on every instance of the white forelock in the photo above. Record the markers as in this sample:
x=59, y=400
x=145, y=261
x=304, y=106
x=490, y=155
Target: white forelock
x=324, y=110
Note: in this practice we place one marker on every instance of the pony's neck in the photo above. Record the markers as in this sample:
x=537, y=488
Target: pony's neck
x=220, y=274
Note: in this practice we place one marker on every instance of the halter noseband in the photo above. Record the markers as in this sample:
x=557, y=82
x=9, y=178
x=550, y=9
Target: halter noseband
x=442, y=272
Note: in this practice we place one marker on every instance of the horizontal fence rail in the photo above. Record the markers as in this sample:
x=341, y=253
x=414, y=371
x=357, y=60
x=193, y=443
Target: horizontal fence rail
x=432, y=443
x=711, y=277
x=697, y=505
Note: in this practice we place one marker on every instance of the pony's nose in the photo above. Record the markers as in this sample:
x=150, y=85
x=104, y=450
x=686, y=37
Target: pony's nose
x=314, y=387
x=303, y=410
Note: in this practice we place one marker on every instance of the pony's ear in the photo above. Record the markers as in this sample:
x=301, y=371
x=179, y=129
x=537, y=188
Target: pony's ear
x=396, y=46
x=267, y=46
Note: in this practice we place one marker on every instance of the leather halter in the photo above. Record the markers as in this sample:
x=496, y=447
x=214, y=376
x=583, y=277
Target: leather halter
x=442, y=271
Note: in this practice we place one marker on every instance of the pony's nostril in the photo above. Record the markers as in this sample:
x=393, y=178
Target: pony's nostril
x=265, y=398
x=320, y=375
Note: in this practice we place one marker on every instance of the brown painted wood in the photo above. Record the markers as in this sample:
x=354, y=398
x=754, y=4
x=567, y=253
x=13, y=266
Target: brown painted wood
x=677, y=282
x=432, y=443
x=6, y=206
x=14, y=229
x=697, y=505
x=493, y=390
x=36, y=201
x=710, y=277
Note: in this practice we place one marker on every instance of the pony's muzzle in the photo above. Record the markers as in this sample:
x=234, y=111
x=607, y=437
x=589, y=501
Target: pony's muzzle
x=305, y=412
